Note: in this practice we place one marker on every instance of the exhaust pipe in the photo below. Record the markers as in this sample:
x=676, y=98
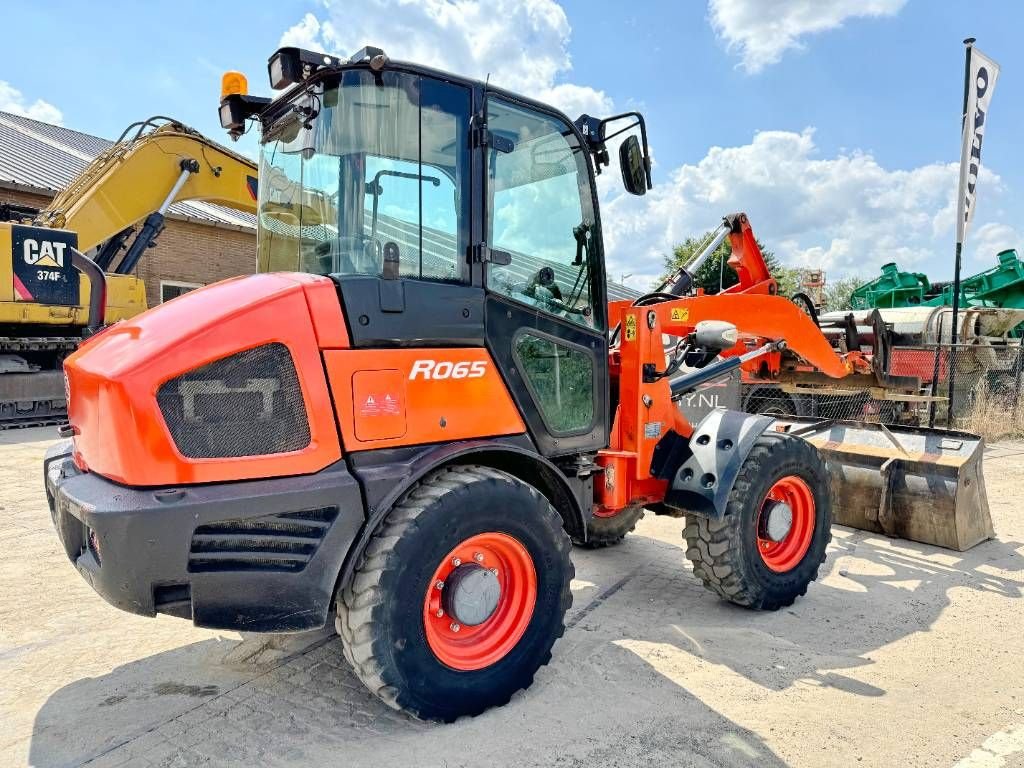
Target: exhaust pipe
x=97, y=290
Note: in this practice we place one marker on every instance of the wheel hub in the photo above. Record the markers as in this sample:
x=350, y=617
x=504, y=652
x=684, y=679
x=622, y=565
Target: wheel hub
x=785, y=523
x=778, y=520
x=471, y=594
x=479, y=601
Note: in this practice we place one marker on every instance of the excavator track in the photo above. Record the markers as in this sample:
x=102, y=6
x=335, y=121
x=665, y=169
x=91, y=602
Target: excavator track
x=32, y=380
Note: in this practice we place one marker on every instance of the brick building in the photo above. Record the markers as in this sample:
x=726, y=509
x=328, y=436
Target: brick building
x=202, y=243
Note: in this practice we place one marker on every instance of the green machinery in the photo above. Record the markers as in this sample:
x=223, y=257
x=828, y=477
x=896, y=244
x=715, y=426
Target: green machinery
x=1000, y=286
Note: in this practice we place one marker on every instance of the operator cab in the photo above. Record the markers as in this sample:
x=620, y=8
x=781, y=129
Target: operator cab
x=448, y=212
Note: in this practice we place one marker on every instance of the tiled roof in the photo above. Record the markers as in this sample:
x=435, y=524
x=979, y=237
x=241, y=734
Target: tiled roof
x=49, y=157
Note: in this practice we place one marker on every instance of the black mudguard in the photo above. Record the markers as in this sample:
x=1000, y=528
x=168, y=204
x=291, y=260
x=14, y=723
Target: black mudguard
x=701, y=471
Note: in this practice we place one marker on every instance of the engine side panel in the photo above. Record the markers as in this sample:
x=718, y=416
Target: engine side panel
x=388, y=398
x=114, y=380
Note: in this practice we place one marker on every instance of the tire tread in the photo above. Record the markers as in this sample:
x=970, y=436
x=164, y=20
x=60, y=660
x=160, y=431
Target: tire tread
x=360, y=604
x=713, y=546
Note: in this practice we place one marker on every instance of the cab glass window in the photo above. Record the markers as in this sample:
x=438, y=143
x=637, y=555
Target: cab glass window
x=540, y=211
x=561, y=378
x=384, y=160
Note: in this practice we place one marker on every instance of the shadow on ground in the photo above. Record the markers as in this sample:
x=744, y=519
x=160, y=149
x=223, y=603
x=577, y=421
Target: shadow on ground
x=599, y=703
x=309, y=709
x=885, y=591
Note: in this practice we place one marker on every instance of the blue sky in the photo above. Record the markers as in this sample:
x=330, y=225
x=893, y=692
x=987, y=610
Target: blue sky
x=833, y=123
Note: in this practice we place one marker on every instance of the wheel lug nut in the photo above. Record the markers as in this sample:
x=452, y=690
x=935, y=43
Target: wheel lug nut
x=478, y=557
x=440, y=612
x=455, y=627
x=456, y=562
x=439, y=585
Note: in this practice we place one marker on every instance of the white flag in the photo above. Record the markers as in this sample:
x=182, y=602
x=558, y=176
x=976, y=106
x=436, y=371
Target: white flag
x=980, y=83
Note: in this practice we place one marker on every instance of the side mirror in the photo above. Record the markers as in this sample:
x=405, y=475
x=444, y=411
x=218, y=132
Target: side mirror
x=633, y=166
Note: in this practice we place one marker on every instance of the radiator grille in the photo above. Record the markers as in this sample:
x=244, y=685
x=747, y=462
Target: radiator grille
x=247, y=404
x=283, y=542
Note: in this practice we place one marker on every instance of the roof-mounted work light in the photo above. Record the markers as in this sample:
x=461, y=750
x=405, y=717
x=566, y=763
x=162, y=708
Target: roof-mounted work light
x=236, y=105
x=290, y=66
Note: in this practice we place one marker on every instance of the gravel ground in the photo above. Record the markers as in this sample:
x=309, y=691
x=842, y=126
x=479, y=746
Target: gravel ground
x=902, y=654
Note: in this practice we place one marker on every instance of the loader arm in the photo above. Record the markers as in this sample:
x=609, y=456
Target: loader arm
x=764, y=316
x=145, y=173
x=746, y=258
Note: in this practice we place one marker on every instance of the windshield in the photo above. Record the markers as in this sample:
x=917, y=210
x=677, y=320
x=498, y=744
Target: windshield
x=383, y=166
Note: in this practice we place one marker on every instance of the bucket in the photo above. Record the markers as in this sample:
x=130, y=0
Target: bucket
x=911, y=483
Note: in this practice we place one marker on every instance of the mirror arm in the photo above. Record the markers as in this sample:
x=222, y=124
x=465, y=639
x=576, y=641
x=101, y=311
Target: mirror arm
x=643, y=139
x=593, y=130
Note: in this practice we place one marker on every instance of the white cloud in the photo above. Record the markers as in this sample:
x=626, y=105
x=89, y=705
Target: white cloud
x=12, y=100
x=521, y=44
x=985, y=241
x=762, y=30
x=847, y=214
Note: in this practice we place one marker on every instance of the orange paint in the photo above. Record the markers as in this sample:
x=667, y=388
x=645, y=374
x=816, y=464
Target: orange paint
x=646, y=413
x=325, y=311
x=378, y=405
x=761, y=316
x=449, y=394
x=467, y=648
x=114, y=379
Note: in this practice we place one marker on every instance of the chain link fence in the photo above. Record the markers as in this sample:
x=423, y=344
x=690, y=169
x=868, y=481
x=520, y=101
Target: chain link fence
x=986, y=381
x=981, y=385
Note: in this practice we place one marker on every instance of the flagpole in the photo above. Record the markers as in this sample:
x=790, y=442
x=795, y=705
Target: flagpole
x=955, y=334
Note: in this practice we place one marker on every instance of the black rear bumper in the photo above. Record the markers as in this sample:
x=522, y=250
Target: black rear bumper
x=261, y=556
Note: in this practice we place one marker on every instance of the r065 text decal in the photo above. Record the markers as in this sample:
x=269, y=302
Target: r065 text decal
x=443, y=369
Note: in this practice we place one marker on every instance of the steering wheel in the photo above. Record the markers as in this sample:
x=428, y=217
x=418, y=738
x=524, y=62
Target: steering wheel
x=544, y=292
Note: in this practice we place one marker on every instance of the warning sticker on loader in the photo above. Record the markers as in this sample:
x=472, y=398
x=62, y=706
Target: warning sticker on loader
x=42, y=265
x=630, y=327
x=380, y=405
x=680, y=315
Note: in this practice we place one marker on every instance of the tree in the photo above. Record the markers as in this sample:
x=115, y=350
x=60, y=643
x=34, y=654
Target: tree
x=838, y=294
x=715, y=274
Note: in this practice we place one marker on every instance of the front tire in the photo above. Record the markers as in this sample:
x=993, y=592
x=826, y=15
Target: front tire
x=751, y=559
x=438, y=655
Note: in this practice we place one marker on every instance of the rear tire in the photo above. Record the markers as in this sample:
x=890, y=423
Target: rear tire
x=609, y=531
x=735, y=559
x=387, y=614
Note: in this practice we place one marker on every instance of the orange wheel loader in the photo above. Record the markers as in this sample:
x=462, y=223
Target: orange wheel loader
x=424, y=397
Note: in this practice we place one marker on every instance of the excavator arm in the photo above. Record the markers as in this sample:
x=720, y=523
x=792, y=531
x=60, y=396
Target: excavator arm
x=50, y=293
x=152, y=166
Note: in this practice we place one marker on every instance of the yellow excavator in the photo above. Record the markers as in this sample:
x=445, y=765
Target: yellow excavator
x=115, y=209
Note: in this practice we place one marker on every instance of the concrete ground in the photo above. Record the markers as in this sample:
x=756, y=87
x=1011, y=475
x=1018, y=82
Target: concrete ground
x=902, y=654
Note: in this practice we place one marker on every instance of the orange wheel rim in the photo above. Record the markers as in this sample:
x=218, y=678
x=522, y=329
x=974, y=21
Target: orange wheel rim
x=467, y=648
x=788, y=551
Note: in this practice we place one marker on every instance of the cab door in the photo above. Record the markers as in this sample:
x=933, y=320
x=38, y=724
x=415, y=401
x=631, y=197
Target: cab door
x=546, y=307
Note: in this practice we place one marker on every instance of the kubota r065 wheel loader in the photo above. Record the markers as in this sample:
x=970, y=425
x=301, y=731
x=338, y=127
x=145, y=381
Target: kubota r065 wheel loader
x=417, y=404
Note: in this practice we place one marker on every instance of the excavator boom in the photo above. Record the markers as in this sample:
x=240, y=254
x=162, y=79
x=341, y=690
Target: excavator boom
x=147, y=172
x=119, y=204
